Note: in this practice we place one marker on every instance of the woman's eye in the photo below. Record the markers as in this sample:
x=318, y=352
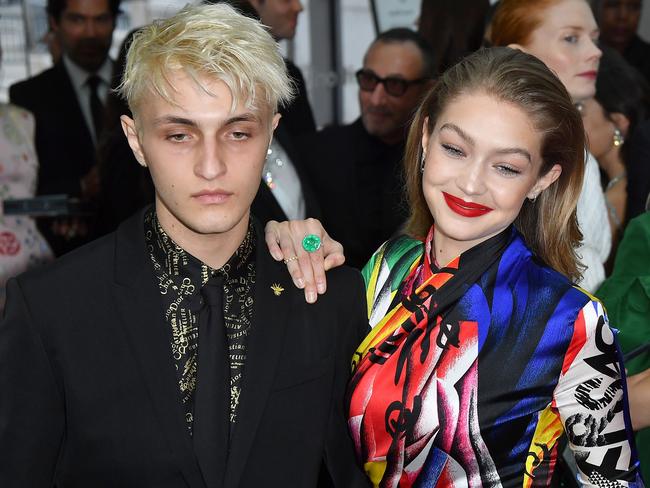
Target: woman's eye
x=452, y=150
x=507, y=170
x=572, y=39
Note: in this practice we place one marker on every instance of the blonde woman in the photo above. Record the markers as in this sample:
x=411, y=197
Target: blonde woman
x=483, y=354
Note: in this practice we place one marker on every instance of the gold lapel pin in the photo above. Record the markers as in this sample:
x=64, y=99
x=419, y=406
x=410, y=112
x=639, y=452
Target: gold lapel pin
x=277, y=289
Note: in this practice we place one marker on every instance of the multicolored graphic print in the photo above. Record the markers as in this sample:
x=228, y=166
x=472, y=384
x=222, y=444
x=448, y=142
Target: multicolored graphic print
x=480, y=394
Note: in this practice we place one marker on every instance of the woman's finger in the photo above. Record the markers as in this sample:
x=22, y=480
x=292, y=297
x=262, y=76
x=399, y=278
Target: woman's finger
x=272, y=238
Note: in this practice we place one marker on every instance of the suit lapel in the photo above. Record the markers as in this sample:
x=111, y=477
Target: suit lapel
x=270, y=317
x=140, y=307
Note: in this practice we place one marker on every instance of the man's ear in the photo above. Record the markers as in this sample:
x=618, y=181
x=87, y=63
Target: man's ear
x=131, y=133
x=54, y=25
x=276, y=121
x=274, y=125
x=621, y=122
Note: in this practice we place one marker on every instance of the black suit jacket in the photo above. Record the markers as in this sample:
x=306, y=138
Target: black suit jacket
x=89, y=396
x=63, y=141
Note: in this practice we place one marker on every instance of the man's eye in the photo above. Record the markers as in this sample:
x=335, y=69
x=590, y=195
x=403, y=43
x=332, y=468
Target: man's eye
x=239, y=135
x=177, y=137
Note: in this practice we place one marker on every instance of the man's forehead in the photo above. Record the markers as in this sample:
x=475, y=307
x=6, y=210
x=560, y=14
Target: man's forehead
x=88, y=7
x=394, y=58
x=180, y=101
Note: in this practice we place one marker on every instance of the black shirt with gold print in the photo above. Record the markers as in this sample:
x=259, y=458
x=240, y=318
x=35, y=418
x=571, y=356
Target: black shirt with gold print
x=180, y=278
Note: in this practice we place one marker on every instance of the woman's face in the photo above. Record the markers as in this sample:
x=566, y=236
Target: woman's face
x=599, y=128
x=566, y=41
x=482, y=162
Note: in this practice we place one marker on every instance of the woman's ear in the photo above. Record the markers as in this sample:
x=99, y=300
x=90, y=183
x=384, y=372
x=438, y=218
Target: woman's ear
x=621, y=122
x=514, y=45
x=425, y=135
x=545, y=181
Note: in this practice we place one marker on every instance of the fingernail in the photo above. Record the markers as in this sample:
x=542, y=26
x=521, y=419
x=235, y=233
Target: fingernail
x=320, y=287
x=311, y=297
x=299, y=283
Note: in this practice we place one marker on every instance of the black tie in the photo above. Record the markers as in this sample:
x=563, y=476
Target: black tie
x=212, y=396
x=96, y=107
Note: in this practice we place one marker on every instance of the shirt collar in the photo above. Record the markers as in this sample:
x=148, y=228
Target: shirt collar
x=182, y=265
x=79, y=76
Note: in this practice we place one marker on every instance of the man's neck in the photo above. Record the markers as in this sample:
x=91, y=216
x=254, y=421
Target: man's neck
x=212, y=249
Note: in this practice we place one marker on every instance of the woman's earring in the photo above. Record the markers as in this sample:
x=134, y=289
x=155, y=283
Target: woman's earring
x=618, y=138
x=422, y=160
x=533, y=198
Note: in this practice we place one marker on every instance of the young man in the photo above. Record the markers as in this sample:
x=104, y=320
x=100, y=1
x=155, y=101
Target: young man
x=175, y=352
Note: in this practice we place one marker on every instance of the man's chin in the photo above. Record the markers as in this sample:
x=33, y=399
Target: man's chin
x=89, y=63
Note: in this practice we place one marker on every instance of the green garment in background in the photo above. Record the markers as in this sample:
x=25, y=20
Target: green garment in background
x=626, y=295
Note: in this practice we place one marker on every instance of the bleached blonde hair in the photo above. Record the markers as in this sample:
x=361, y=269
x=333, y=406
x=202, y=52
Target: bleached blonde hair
x=213, y=41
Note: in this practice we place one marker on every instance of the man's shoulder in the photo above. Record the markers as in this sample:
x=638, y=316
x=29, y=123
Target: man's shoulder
x=35, y=88
x=333, y=139
x=90, y=262
x=339, y=131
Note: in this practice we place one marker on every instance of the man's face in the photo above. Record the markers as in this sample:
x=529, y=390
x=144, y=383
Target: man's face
x=205, y=159
x=85, y=30
x=387, y=116
x=281, y=16
x=619, y=21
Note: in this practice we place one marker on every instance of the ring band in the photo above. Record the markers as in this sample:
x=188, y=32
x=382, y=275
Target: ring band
x=311, y=243
x=288, y=260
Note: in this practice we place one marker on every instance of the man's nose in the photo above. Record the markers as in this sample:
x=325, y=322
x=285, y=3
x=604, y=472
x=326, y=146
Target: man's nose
x=210, y=164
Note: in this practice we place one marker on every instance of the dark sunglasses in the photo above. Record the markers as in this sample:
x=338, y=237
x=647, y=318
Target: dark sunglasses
x=394, y=86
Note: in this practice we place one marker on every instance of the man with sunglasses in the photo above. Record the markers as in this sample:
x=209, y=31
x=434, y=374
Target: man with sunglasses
x=356, y=169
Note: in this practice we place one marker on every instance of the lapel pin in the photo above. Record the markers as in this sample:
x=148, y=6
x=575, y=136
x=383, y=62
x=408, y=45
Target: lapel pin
x=277, y=289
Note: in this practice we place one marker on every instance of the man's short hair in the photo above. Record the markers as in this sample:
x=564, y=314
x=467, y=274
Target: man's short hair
x=403, y=34
x=207, y=40
x=55, y=8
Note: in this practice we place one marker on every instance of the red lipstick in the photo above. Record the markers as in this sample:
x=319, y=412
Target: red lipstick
x=589, y=74
x=466, y=209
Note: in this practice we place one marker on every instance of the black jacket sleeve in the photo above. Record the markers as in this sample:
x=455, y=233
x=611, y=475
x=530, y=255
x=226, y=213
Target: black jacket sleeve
x=32, y=414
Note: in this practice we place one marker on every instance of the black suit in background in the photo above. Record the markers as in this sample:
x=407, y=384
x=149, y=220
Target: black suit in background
x=90, y=396
x=63, y=143
x=358, y=182
x=298, y=117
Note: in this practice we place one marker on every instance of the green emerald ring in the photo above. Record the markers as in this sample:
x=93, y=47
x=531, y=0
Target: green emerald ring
x=311, y=243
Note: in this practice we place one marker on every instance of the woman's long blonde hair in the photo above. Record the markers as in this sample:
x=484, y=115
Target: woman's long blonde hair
x=548, y=225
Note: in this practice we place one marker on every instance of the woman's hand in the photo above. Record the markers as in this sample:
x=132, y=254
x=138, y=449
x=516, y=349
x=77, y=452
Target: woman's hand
x=284, y=240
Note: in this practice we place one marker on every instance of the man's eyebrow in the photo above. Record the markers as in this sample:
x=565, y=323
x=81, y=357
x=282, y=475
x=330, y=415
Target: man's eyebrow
x=246, y=117
x=506, y=150
x=173, y=119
